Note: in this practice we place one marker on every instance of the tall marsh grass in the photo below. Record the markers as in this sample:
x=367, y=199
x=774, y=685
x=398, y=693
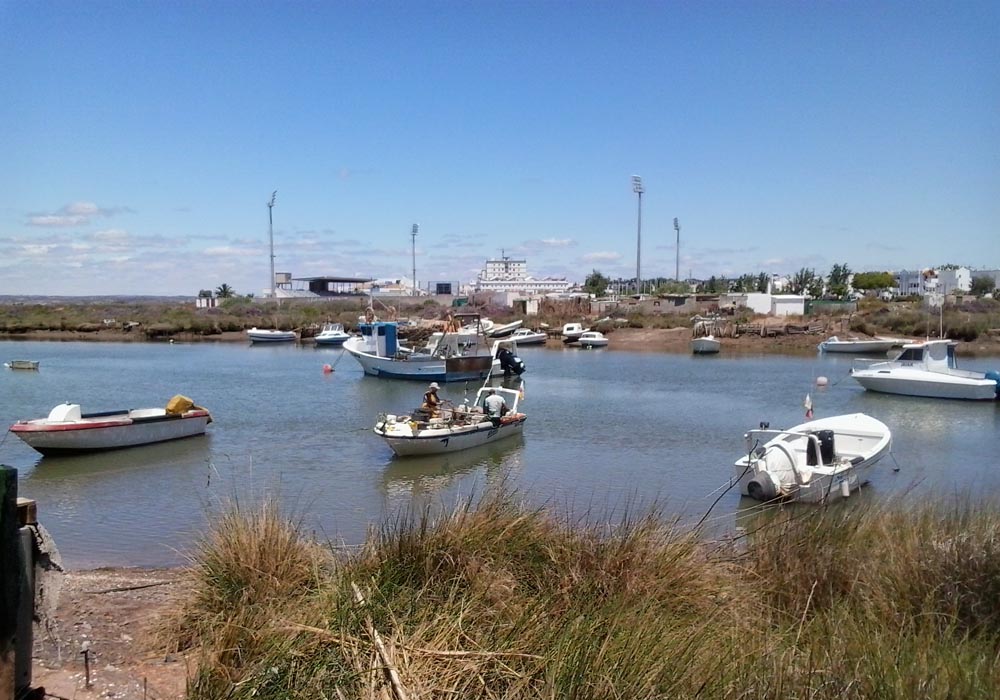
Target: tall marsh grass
x=500, y=600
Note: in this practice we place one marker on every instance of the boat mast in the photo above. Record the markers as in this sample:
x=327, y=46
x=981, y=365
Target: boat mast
x=270, y=237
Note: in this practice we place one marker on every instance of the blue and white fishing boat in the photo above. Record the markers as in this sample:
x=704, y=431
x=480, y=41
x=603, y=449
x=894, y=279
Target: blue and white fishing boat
x=450, y=356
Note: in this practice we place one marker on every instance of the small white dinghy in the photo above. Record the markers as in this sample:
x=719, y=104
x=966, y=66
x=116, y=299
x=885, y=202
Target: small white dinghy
x=270, y=335
x=813, y=462
x=66, y=430
x=706, y=345
x=455, y=429
x=858, y=346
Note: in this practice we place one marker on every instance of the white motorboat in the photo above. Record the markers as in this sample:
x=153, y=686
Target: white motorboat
x=270, y=335
x=858, y=346
x=447, y=357
x=457, y=428
x=592, y=339
x=21, y=364
x=332, y=334
x=927, y=369
x=66, y=430
x=526, y=336
x=706, y=345
x=504, y=330
x=571, y=332
x=813, y=462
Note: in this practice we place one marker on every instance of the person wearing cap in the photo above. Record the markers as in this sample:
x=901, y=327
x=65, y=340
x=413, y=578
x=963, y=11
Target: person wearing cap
x=431, y=400
x=494, y=404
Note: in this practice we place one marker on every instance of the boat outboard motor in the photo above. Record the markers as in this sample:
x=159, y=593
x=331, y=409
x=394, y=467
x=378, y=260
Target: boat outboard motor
x=761, y=487
x=995, y=376
x=509, y=362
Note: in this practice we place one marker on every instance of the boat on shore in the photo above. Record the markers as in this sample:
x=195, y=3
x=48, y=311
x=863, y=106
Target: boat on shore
x=332, y=334
x=703, y=340
x=447, y=357
x=21, y=364
x=858, y=346
x=927, y=369
x=504, y=330
x=271, y=335
x=813, y=462
x=571, y=332
x=592, y=339
x=67, y=430
x=526, y=336
x=456, y=428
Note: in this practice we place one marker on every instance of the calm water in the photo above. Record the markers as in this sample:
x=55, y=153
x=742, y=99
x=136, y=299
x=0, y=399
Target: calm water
x=607, y=429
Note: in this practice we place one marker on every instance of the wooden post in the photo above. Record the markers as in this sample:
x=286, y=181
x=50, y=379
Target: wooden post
x=10, y=579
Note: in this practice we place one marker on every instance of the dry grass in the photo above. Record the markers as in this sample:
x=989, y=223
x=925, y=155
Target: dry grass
x=499, y=600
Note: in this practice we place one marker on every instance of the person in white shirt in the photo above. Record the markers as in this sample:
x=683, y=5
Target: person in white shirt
x=494, y=404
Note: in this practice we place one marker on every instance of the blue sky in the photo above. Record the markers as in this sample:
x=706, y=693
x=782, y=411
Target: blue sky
x=141, y=141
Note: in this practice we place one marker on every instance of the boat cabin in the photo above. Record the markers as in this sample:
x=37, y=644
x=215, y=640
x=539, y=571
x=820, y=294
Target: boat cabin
x=933, y=354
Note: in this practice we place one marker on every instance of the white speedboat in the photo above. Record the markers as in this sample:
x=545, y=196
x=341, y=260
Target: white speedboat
x=928, y=369
x=813, y=462
x=332, y=334
x=592, y=339
x=447, y=357
x=706, y=345
x=458, y=428
x=270, y=335
x=504, y=330
x=858, y=346
x=526, y=336
x=66, y=430
x=21, y=364
x=571, y=332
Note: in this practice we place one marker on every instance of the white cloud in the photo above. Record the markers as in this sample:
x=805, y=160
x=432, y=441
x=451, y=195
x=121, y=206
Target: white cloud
x=54, y=220
x=602, y=256
x=557, y=242
x=73, y=214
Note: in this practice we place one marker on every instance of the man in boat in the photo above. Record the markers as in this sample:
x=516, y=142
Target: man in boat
x=432, y=401
x=494, y=405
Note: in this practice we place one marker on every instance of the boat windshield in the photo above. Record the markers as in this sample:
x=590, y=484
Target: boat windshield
x=911, y=355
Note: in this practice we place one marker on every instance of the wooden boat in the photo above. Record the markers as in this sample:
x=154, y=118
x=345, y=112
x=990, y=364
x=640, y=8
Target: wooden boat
x=21, y=364
x=270, y=335
x=67, y=430
x=332, y=334
x=927, y=369
x=457, y=428
x=812, y=462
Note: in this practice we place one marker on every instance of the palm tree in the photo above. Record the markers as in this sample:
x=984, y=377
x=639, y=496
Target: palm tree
x=224, y=291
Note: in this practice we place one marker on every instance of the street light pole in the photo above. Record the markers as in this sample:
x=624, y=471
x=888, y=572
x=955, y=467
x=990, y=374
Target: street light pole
x=677, y=268
x=270, y=236
x=413, y=234
x=638, y=189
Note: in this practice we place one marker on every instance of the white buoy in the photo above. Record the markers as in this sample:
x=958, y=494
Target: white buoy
x=822, y=381
x=845, y=488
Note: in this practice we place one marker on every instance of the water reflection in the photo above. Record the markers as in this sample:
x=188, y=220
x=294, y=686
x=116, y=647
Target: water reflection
x=434, y=474
x=95, y=466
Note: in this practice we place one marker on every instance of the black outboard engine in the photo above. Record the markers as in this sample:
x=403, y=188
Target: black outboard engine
x=509, y=362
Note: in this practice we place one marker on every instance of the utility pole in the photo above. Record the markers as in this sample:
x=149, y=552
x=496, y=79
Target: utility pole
x=413, y=234
x=638, y=189
x=270, y=236
x=677, y=268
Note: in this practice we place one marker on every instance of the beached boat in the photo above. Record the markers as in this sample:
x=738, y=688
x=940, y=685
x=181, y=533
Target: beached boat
x=332, y=334
x=706, y=345
x=813, y=462
x=526, y=336
x=927, y=369
x=858, y=346
x=447, y=357
x=457, y=428
x=68, y=430
x=503, y=330
x=270, y=335
x=592, y=339
x=571, y=332
x=21, y=364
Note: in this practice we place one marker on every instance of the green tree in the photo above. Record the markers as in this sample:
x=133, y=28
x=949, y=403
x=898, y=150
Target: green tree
x=983, y=284
x=763, y=279
x=802, y=281
x=224, y=291
x=596, y=284
x=837, y=280
x=874, y=281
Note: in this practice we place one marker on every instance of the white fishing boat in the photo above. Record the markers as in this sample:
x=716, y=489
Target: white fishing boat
x=706, y=345
x=858, y=346
x=503, y=330
x=571, y=332
x=447, y=357
x=526, y=336
x=67, y=430
x=703, y=340
x=332, y=334
x=21, y=364
x=592, y=339
x=270, y=335
x=813, y=462
x=927, y=369
x=456, y=428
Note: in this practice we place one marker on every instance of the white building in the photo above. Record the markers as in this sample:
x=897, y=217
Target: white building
x=954, y=280
x=511, y=276
x=788, y=305
x=915, y=282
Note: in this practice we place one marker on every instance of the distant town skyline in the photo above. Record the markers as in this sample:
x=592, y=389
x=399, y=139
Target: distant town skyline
x=143, y=141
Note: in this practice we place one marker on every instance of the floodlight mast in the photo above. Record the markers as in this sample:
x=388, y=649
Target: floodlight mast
x=677, y=268
x=413, y=233
x=270, y=236
x=638, y=189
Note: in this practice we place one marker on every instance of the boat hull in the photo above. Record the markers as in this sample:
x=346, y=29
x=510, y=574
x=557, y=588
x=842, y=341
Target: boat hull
x=331, y=341
x=705, y=346
x=858, y=347
x=270, y=336
x=925, y=384
x=430, y=442
x=430, y=369
x=112, y=433
x=530, y=338
x=22, y=364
